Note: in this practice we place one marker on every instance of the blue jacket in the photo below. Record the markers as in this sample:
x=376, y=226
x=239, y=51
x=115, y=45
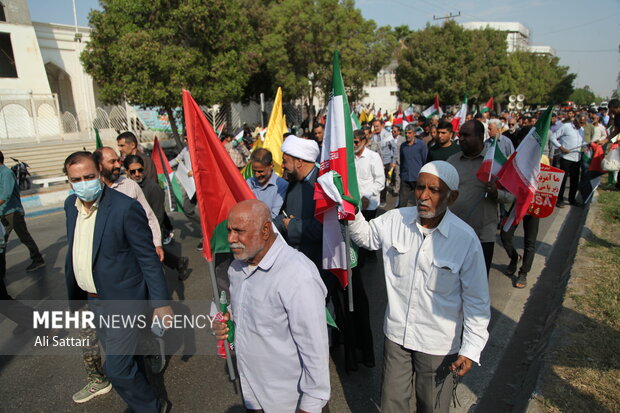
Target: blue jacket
x=125, y=265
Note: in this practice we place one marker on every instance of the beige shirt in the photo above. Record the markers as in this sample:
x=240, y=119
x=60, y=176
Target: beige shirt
x=471, y=206
x=133, y=190
x=83, y=245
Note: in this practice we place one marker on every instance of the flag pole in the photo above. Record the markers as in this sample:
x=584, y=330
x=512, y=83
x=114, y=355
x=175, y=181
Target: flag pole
x=216, y=296
x=163, y=167
x=347, y=243
x=491, y=170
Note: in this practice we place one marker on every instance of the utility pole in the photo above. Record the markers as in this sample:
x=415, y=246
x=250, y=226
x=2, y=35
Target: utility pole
x=450, y=16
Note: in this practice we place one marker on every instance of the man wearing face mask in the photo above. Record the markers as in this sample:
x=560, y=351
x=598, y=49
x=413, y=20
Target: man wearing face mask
x=438, y=297
x=111, y=256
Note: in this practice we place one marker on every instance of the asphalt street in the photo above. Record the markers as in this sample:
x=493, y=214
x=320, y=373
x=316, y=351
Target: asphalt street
x=199, y=383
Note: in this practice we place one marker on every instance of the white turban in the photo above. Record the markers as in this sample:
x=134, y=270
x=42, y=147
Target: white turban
x=305, y=149
x=444, y=171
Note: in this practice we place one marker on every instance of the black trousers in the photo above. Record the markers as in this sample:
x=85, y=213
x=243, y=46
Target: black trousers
x=405, y=193
x=11, y=308
x=571, y=169
x=487, y=251
x=15, y=221
x=530, y=230
x=170, y=260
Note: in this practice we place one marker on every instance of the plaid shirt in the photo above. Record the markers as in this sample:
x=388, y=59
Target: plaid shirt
x=239, y=154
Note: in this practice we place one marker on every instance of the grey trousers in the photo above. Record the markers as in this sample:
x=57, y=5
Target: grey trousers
x=433, y=380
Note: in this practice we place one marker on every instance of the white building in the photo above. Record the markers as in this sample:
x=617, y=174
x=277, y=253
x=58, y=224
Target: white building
x=517, y=36
x=44, y=91
x=383, y=89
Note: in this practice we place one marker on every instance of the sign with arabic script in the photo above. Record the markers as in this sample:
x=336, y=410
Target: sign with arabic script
x=546, y=196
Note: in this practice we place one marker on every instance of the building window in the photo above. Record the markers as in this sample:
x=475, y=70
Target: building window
x=7, y=59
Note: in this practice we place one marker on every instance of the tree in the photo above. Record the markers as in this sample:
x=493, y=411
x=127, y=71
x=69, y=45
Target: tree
x=584, y=96
x=451, y=61
x=539, y=78
x=303, y=35
x=147, y=51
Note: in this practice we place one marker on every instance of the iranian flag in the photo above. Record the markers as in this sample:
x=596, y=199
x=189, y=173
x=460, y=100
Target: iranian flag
x=520, y=173
x=409, y=114
x=488, y=106
x=219, y=185
x=434, y=109
x=493, y=162
x=460, y=116
x=336, y=192
x=165, y=176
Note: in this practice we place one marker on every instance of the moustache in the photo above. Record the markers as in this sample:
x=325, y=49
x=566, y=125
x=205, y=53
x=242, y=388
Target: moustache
x=237, y=245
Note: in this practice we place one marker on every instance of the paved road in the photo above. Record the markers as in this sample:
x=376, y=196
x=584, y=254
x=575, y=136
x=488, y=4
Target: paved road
x=43, y=383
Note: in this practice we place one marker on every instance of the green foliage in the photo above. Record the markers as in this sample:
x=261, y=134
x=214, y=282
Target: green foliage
x=540, y=78
x=584, y=96
x=148, y=50
x=302, y=37
x=451, y=61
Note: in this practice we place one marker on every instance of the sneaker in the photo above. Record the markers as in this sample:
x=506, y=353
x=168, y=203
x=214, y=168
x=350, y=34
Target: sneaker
x=182, y=268
x=92, y=389
x=168, y=239
x=199, y=246
x=35, y=265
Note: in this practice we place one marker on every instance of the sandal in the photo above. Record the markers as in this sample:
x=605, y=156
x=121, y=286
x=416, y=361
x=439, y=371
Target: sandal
x=512, y=267
x=521, y=281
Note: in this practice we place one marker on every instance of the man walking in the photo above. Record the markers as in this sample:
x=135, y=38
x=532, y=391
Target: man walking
x=438, y=297
x=278, y=306
x=267, y=186
x=12, y=215
x=568, y=139
x=413, y=154
x=128, y=145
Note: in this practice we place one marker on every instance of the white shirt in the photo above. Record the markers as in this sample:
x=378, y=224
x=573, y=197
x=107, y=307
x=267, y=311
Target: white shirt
x=600, y=133
x=436, y=285
x=370, y=177
x=569, y=137
x=133, y=190
x=281, y=333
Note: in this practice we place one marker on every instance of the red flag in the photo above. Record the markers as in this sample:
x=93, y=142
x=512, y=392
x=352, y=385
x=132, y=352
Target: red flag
x=219, y=185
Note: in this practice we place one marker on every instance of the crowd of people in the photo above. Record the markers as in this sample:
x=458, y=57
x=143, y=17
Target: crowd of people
x=437, y=241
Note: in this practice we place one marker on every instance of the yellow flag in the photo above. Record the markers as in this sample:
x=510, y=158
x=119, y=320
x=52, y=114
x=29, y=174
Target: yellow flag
x=275, y=131
x=363, y=117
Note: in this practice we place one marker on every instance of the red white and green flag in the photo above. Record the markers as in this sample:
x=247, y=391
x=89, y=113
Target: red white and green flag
x=520, y=173
x=219, y=185
x=165, y=176
x=488, y=106
x=336, y=192
x=434, y=109
x=460, y=116
x=492, y=163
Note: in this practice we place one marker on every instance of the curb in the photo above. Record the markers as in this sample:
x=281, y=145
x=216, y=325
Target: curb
x=44, y=203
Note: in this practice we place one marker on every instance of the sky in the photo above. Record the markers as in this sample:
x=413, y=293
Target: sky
x=585, y=35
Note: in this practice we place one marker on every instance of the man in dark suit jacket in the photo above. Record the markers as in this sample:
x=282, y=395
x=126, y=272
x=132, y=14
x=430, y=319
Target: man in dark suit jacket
x=111, y=256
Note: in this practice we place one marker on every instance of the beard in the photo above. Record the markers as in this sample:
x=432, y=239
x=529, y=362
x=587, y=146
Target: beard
x=432, y=213
x=111, y=175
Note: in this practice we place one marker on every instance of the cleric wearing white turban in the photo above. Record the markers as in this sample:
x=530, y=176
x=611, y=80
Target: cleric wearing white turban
x=305, y=149
x=438, y=294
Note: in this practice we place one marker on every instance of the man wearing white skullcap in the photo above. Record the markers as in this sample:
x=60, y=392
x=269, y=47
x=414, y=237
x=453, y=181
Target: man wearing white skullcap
x=438, y=295
x=296, y=220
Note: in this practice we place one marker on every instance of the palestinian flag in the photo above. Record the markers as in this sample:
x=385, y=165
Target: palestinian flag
x=220, y=129
x=434, y=109
x=488, y=106
x=219, y=186
x=460, y=116
x=493, y=161
x=520, y=173
x=336, y=192
x=166, y=177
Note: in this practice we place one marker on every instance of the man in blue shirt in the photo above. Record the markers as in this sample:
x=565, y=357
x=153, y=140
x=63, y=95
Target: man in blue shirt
x=413, y=154
x=267, y=186
x=12, y=215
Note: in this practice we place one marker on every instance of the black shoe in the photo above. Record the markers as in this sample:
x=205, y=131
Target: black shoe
x=156, y=361
x=35, y=265
x=199, y=246
x=561, y=204
x=512, y=267
x=182, y=268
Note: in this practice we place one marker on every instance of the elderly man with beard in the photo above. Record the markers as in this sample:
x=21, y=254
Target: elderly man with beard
x=438, y=296
x=278, y=306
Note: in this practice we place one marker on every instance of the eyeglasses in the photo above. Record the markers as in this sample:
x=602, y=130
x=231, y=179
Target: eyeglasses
x=134, y=171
